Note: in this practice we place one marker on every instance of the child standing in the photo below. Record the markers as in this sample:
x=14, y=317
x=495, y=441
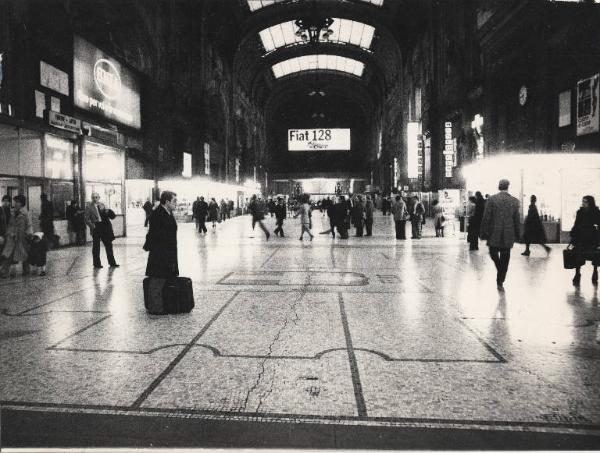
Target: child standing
x=38, y=252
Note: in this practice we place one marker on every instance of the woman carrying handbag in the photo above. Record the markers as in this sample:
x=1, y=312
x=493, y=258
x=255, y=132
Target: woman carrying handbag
x=585, y=240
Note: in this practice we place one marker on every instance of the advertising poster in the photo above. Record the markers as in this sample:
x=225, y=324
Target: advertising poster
x=588, y=93
x=105, y=87
x=318, y=139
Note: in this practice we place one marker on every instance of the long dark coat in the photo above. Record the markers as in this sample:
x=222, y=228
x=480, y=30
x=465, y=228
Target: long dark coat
x=161, y=242
x=534, y=232
x=47, y=218
x=584, y=233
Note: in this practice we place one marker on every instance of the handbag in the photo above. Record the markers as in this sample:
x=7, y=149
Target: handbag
x=572, y=258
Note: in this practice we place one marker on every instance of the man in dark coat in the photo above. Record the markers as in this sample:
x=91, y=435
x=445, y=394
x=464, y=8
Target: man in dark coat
x=97, y=217
x=161, y=240
x=280, y=215
x=341, y=217
x=200, y=211
x=47, y=220
x=501, y=225
x=148, y=210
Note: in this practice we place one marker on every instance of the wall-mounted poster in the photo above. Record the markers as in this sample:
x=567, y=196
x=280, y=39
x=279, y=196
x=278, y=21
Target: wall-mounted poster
x=104, y=86
x=588, y=116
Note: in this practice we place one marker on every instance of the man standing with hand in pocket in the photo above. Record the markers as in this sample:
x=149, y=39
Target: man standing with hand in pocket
x=99, y=231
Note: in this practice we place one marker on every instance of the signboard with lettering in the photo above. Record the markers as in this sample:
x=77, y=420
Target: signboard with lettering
x=68, y=123
x=54, y=78
x=103, y=86
x=318, y=139
x=449, y=149
x=588, y=108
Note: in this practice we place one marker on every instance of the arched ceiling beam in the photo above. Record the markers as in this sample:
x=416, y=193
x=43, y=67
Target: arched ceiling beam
x=263, y=68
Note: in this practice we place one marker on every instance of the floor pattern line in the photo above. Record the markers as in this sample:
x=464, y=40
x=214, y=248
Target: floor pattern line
x=161, y=377
x=356, y=383
x=80, y=331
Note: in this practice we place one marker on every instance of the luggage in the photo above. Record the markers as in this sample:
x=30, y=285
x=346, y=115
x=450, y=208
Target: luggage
x=168, y=296
x=178, y=295
x=572, y=258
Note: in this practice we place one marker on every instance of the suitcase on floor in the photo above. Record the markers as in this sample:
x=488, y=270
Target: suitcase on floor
x=153, y=295
x=168, y=296
x=572, y=259
x=178, y=295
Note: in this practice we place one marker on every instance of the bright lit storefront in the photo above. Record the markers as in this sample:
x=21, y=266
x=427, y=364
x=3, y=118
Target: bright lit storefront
x=104, y=173
x=559, y=181
x=188, y=189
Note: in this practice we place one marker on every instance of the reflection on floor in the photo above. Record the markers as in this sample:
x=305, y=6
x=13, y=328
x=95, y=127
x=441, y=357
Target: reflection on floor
x=366, y=331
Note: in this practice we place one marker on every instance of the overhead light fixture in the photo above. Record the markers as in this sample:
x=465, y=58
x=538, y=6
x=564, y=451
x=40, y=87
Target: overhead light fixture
x=314, y=27
x=318, y=115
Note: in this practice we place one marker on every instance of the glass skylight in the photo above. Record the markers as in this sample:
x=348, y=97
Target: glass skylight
x=314, y=62
x=345, y=31
x=258, y=4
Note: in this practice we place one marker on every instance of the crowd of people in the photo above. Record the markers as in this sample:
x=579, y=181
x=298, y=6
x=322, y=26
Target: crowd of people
x=495, y=219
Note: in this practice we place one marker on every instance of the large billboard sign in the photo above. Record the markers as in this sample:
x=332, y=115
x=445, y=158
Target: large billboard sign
x=588, y=105
x=104, y=86
x=318, y=139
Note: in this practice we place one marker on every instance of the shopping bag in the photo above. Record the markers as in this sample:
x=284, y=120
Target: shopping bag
x=572, y=258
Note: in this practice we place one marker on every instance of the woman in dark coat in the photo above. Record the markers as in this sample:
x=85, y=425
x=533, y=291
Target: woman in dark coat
x=161, y=240
x=475, y=222
x=585, y=234
x=213, y=212
x=534, y=232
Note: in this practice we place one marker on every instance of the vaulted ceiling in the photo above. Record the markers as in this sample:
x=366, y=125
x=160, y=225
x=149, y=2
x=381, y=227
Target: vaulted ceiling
x=365, y=49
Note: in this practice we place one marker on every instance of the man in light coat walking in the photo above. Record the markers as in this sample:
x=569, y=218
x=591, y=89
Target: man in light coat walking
x=501, y=227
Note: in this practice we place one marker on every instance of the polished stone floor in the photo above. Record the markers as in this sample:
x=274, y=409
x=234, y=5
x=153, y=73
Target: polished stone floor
x=369, y=332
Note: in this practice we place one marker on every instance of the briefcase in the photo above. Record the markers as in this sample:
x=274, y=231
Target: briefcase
x=572, y=258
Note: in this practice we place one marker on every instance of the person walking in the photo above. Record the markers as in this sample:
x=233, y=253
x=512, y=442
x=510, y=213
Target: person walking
x=200, y=215
x=476, y=220
x=280, y=216
x=418, y=215
x=534, y=232
x=18, y=233
x=257, y=211
x=47, y=221
x=400, y=213
x=148, y=211
x=369, y=208
x=161, y=240
x=385, y=206
x=304, y=211
x=213, y=212
x=500, y=227
x=439, y=220
x=223, y=209
x=358, y=215
x=230, y=208
x=585, y=235
x=98, y=218
x=470, y=216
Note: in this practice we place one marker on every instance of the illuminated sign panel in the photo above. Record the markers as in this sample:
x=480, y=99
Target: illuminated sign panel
x=318, y=139
x=104, y=86
x=412, y=145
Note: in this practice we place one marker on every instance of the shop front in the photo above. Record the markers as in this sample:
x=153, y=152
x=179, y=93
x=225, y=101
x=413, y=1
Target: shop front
x=188, y=189
x=558, y=180
x=33, y=163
